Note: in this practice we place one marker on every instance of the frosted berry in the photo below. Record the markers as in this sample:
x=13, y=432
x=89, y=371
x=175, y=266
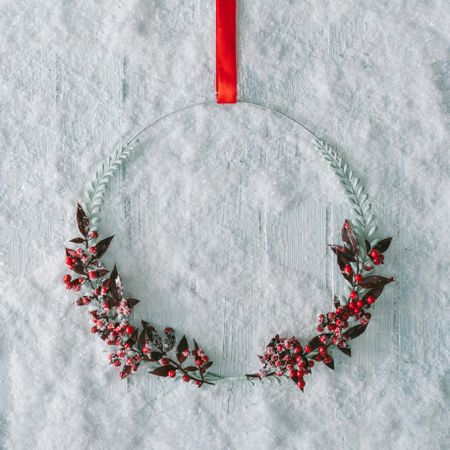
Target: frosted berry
x=67, y=278
x=168, y=330
x=164, y=361
x=94, y=329
x=93, y=235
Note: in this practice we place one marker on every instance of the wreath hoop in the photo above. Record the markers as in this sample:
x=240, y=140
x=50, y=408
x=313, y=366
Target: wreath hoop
x=103, y=292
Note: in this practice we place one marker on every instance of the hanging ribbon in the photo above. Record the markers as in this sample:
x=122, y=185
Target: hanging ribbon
x=226, y=78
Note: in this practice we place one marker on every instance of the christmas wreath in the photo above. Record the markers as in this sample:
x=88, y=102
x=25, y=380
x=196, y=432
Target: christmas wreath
x=133, y=346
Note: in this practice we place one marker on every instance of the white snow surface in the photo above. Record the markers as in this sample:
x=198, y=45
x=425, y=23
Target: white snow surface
x=222, y=216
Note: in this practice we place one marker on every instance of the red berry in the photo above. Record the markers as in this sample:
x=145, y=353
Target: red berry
x=353, y=295
x=186, y=377
x=129, y=329
x=93, y=235
x=322, y=349
x=331, y=326
x=327, y=359
x=311, y=363
x=298, y=349
x=105, y=305
x=145, y=350
x=374, y=254
x=171, y=373
x=358, y=278
x=301, y=383
x=67, y=278
x=352, y=305
x=319, y=329
x=348, y=269
x=198, y=362
x=70, y=261
x=168, y=330
x=370, y=299
x=92, y=274
x=377, y=261
x=198, y=383
x=307, y=348
x=359, y=303
x=164, y=361
x=94, y=330
x=205, y=359
x=92, y=250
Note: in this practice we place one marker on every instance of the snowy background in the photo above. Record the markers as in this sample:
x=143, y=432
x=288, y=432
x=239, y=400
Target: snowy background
x=222, y=217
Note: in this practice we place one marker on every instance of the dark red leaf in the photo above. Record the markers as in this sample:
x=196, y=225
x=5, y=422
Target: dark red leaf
x=330, y=364
x=132, y=302
x=163, y=371
x=101, y=272
x=142, y=339
x=349, y=237
x=190, y=368
x=208, y=365
x=346, y=350
x=373, y=293
x=337, y=303
x=79, y=269
x=356, y=331
x=77, y=240
x=367, y=246
x=115, y=286
x=182, y=347
x=314, y=342
x=155, y=356
x=383, y=245
x=71, y=253
x=125, y=372
x=375, y=281
x=342, y=262
x=102, y=246
x=132, y=340
x=82, y=221
x=344, y=252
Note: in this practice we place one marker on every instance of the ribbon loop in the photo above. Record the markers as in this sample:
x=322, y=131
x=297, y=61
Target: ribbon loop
x=226, y=74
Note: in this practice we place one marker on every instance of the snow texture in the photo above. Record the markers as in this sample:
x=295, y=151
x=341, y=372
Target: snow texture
x=222, y=218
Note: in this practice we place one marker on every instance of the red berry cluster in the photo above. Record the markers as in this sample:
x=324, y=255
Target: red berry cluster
x=111, y=310
x=335, y=328
x=286, y=357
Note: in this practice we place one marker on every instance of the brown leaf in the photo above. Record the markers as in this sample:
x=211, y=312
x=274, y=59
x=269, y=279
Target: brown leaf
x=330, y=364
x=115, y=286
x=182, y=347
x=314, y=342
x=346, y=350
x=77, y=240
x=373, y=293
x=375, y=281
x=82, y=221
x=162, y=371
x=102, y=246
x=349, y=237
x=344, y=252
x=132, y=302
x=356, y=331
x=383, y=245
x=337, y=302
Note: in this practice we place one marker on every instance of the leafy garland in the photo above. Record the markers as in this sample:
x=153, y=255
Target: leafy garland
x=283, y=357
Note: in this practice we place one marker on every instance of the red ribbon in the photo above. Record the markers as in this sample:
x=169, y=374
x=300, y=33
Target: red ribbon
x=226, y=77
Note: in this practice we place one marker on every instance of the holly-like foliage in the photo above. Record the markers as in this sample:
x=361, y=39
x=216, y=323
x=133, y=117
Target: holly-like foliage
x=110, y=312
